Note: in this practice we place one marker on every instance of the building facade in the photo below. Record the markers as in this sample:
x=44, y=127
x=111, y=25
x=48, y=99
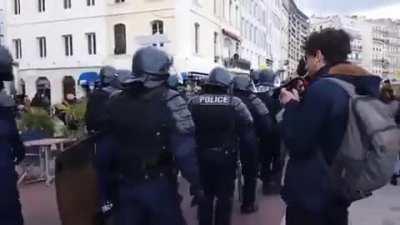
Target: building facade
x=298, y=32
x=55, y=42
x=375, y=44
x=255, y=47
x=2, y=23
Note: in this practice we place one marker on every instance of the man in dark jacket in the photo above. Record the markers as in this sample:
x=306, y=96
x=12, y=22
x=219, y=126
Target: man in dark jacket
x=263, y=123
x=12, y=150
x=313, y=130
x=154, y=135
x=270, y=157
x=221, y=119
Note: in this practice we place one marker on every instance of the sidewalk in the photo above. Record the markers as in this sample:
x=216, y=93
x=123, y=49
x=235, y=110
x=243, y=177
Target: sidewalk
x=383, y=208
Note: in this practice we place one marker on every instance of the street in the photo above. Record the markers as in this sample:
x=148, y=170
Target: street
x=383, y=208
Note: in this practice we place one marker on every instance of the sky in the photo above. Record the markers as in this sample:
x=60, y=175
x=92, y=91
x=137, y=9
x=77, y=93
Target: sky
x=369, y=8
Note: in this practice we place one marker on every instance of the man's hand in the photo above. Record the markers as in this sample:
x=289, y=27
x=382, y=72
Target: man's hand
x=287, y=96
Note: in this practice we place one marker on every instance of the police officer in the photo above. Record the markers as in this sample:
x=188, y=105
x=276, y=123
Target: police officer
x=221, y=119
x=12, y=150
x=267, y=83
x=243, y=89
x=95, y=112
x=154, y=132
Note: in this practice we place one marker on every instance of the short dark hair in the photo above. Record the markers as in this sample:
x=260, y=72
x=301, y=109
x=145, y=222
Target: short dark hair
x=334, y=45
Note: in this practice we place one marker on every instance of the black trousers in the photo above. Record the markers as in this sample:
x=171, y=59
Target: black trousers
x=271, y=160
x=218, y=179
x=333, y=215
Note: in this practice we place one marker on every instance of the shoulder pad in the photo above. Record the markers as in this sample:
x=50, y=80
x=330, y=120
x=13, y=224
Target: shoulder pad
x=180, y=112
x=242, y=111
x=259, y=106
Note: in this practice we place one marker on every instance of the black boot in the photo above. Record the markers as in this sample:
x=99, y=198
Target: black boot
x=271, y=188
x=393, y=181
x=248, y=208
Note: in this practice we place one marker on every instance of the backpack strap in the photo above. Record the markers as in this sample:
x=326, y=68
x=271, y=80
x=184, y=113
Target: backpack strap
x=348, y=87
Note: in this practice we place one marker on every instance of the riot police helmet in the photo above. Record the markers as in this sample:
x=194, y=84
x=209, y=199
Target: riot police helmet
x=151, y=66
x=268, y=78
x=107, y=75
x=6, y=64
x=175, y=81
x=243, y=83
x=219, y=77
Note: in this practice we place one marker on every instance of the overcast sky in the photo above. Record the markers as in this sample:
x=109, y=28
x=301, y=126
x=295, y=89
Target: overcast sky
x=370, y=8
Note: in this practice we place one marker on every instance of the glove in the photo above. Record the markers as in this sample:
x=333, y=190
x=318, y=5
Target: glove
x=198, y=198
x=103, y=215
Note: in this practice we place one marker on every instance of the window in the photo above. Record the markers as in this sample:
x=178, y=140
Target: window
x=119, y=1
x=67, y=4
x=17, y=48
x=215, y=7
x=120, y=39
x=157, y=27
x=90, y=2
x=223, y=9
x=196, y=37
x=215, y=46
x=17, y=7
x=230, y=11
x=42, y=5
x=42, y=47
x=91, y=38
x=68, y=45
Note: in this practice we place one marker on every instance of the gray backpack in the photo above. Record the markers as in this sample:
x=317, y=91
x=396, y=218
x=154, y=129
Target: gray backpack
x=367, y=155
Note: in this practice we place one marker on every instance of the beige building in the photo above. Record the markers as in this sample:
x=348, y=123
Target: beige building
x=299, y=28
x=55, y=42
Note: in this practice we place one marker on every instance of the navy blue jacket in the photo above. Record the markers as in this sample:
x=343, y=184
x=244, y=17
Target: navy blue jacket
x=313, y=131
x=11, y=152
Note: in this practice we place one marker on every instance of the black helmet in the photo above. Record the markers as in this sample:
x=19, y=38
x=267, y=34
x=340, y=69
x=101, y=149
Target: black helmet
x=243, y=83
x=268, y=78
x=175, y=81
x=107, y=75
x=6, y=63
x=151, y=66
x=220, y=77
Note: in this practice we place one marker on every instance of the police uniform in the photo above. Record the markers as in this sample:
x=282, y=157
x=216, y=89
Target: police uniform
x=12, y=150
x=271, y=158
x=263, y=126
x=154, y=133
x=220, y=120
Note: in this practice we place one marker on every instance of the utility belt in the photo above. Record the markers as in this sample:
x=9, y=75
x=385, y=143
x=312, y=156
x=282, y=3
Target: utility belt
x=144, y=176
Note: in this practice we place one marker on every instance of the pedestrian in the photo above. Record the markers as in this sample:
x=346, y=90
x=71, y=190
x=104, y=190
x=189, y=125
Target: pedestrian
x=12, y=151
x=313, y=130
x=267, y=83
x=263, y=123
x=221, y=119
x=387, y=96
x=154, y=133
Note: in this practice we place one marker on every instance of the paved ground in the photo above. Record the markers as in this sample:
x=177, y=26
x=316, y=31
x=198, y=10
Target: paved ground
x=39, y=206
x=383, y=208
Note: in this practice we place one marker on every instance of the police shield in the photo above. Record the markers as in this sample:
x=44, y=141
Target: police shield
x=76, y=184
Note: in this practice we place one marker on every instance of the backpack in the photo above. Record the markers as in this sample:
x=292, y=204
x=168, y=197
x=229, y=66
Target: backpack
x=370, y=147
